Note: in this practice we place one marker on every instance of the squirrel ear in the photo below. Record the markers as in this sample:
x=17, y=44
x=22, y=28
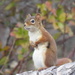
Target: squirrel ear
x=28, y=15
x=38, y=16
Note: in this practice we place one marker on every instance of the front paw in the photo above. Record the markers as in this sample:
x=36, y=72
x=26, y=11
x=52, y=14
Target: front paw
x=40, y=69
x=32, y=44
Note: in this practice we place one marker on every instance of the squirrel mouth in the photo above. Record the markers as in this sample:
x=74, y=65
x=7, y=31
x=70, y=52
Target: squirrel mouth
x=27, y=28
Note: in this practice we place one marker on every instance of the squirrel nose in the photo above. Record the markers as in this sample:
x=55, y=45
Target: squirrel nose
x=25, y=24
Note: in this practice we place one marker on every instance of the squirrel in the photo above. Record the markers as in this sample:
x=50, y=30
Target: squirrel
x=45, y=49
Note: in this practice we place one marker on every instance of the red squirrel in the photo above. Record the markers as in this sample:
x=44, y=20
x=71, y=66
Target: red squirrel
x=45, y=49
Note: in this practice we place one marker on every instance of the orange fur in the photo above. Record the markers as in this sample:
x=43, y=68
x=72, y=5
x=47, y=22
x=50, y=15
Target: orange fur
x=63, y=61
x=50, y=56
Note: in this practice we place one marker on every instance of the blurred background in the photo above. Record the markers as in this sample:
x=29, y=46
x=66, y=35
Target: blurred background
x=58, y=17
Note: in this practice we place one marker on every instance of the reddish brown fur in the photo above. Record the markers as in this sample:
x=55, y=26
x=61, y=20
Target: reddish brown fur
x=51, y=54
x=50, y=58
x=63, y=61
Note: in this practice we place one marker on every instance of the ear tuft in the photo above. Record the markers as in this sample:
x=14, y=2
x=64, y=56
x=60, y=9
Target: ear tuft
x=28, y=15
x=38, y=16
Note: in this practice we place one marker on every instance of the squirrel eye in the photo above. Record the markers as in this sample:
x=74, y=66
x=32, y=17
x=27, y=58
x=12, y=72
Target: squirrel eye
x=32, y=20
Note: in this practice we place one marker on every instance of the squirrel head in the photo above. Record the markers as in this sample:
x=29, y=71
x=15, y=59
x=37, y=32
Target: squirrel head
x=32, y=23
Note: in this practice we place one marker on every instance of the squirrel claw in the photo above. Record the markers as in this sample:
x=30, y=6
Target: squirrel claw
x=40, y=69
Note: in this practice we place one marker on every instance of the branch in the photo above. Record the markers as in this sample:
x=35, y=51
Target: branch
x=66, y=69
x=64, y=40
x=25, y=58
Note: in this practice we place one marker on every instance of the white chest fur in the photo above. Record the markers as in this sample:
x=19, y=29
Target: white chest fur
x=34, y=36
x=39, y=56
x=39, y=52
